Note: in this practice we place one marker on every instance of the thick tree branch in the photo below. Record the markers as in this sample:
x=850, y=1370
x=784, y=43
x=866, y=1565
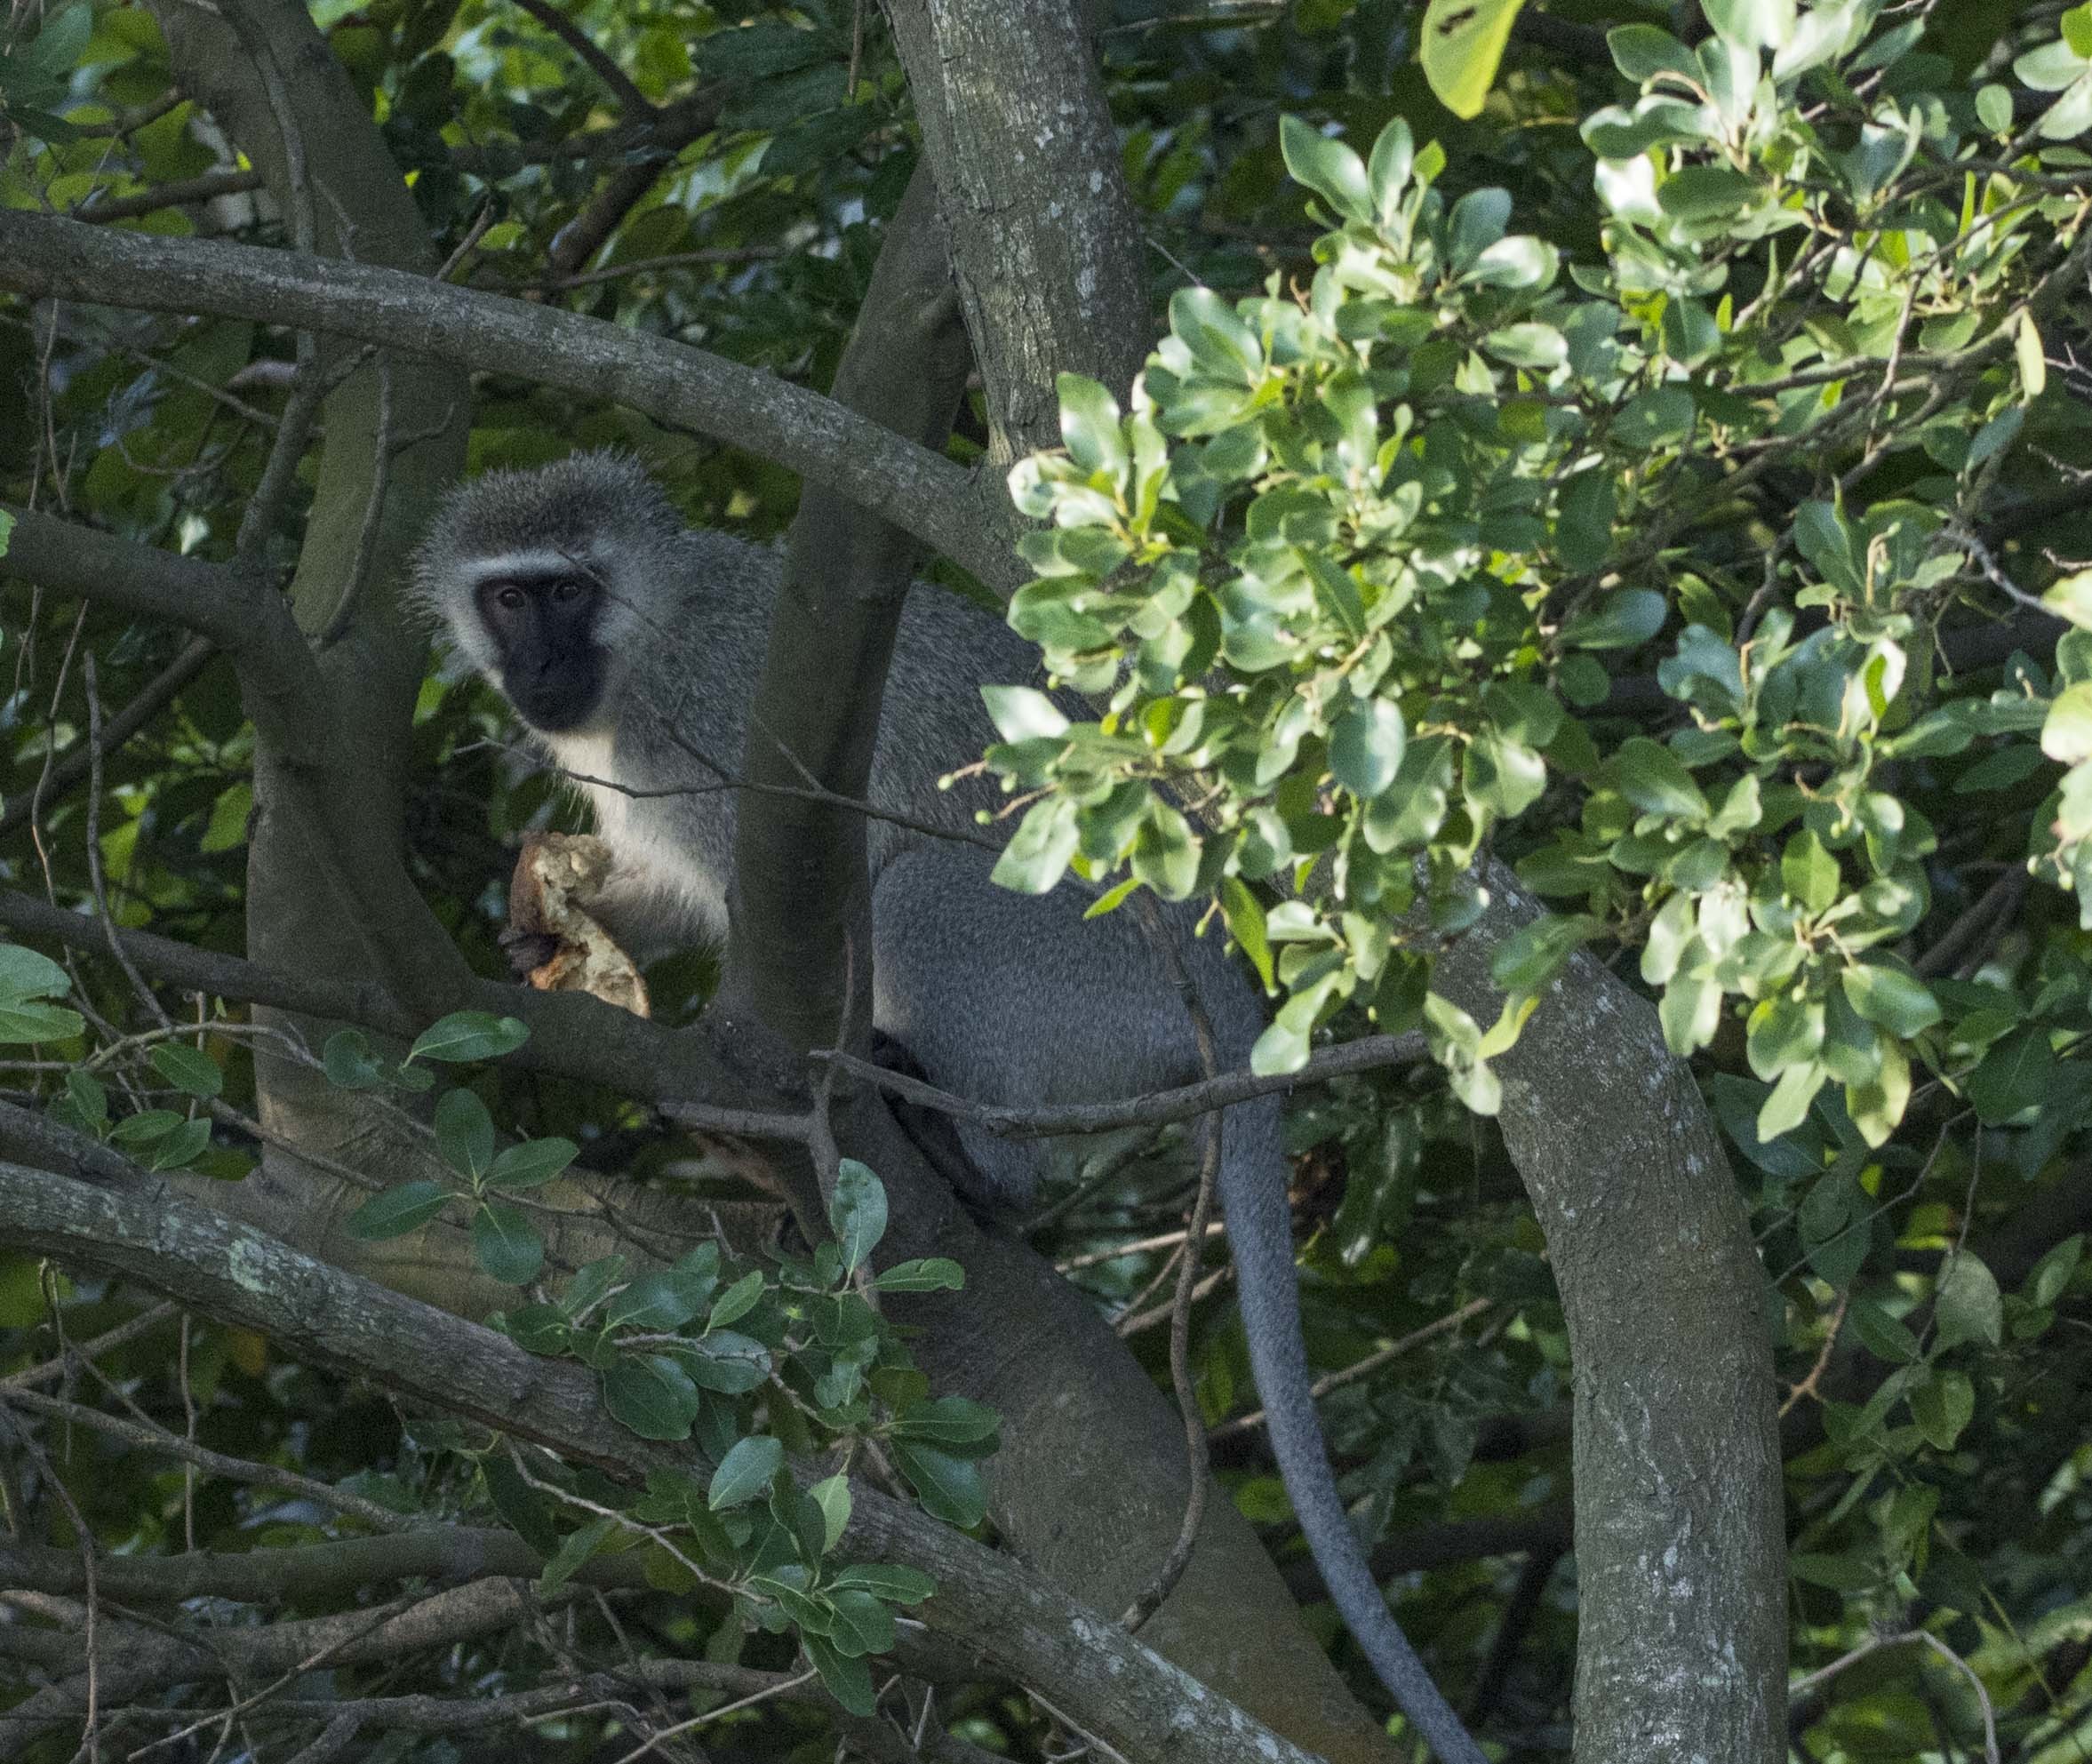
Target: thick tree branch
x=220, y=600
x=571, y=1034
x=1680, y=1522
x=901, y=482
x=801, y=936
x=1016, y=126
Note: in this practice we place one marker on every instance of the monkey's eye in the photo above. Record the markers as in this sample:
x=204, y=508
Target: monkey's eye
x=569, y=590
x=511, y=597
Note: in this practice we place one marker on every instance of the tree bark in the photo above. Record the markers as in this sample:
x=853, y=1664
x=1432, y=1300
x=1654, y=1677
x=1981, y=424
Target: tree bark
x=1050, y=259
x=1680, y=1527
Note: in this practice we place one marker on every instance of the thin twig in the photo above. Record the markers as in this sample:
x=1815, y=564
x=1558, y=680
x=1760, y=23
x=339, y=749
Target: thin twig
x=1156, y=1108
x=1198, y=1461
x=233, y=1469
x=1365, y=1367
x=636, y=103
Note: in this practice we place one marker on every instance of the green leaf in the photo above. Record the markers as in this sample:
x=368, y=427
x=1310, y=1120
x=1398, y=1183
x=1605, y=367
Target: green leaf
x=1089, y=428
x=1707, y=192
x=2026, y=348
x=737, y=1301
x=651, y=1395
x=862, y=1625
x=1787, y=1107
x=949, y=1488
x=931, y=1274
x=1808, y=872
x=56, y=50
x=1967, y=1304
x=745, y=1472
x=1655, y=780
x=1527, y=960
x=1329, y=168
x=26, y=974
x=522, y=1509
x=1943, y=1407
x=2071, y=598
x=1022, y=713
x=190, y=1070
x=464, y=1133
x=1642, y=51
x=468, y=1035
x=574, y=1551
x=832, y=1495
x=1366, y=743
x=1994, y=109
x=89, y=1100
x=1752, y=25
x=31, y=1020
x=530, y=1164
x=1506, y=777
x=894, y=1584
x=724, y=1362
x=1885, y=1336
x=1529, y=345
x=2051, y=1275
x=950, y=1421
x=404, y=1207
x=857, y=1212
x=848, y=1679
x=505, y=1244
x=349, y=1063
x=2067, y=732
x=1037, y=859
x=665, y=1299
x=2015, y=1075
x=145, y=1127
x=1387, y=174
x=1900, y=1003
x=182, y=1146
x=1461, y=43
x=1622, y=621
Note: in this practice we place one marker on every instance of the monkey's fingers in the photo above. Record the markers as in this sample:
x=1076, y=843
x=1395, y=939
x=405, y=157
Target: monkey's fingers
x=527, y=951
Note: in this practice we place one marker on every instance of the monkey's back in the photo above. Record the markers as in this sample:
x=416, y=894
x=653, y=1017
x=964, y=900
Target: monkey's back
x=676, y=744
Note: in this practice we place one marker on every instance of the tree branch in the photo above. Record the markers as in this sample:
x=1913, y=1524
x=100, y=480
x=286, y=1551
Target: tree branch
x=592, y=54
x=918, y=491
x=1158, y=1108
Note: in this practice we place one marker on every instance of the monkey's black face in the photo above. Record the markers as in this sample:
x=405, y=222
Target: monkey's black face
x=543, y=627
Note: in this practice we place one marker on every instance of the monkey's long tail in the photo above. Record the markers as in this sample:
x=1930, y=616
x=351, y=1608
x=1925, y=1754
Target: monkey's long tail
x=1260, y=1234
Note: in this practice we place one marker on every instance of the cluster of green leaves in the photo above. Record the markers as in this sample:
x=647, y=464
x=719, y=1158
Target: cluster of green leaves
x=744, y=1362
x=159, y=1138
x=505, y=1244
x=1346, y=573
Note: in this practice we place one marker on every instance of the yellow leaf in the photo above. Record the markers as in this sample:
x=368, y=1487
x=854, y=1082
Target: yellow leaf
x=1461, y=45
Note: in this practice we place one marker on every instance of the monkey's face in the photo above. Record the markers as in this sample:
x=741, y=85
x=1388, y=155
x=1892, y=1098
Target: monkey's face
x=548, y=659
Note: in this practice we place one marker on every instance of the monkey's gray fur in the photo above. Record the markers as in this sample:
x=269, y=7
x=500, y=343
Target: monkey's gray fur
x=1008, y=998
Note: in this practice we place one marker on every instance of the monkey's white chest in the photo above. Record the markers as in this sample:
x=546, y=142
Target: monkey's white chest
x=668, y=894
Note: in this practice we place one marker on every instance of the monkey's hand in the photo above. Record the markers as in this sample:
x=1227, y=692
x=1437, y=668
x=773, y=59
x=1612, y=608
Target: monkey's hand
x=527, y=951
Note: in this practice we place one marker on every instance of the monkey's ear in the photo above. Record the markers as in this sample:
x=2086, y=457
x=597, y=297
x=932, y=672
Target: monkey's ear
x=557, y=877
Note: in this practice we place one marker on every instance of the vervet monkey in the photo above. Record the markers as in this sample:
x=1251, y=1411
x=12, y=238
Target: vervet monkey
x=629, y=644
